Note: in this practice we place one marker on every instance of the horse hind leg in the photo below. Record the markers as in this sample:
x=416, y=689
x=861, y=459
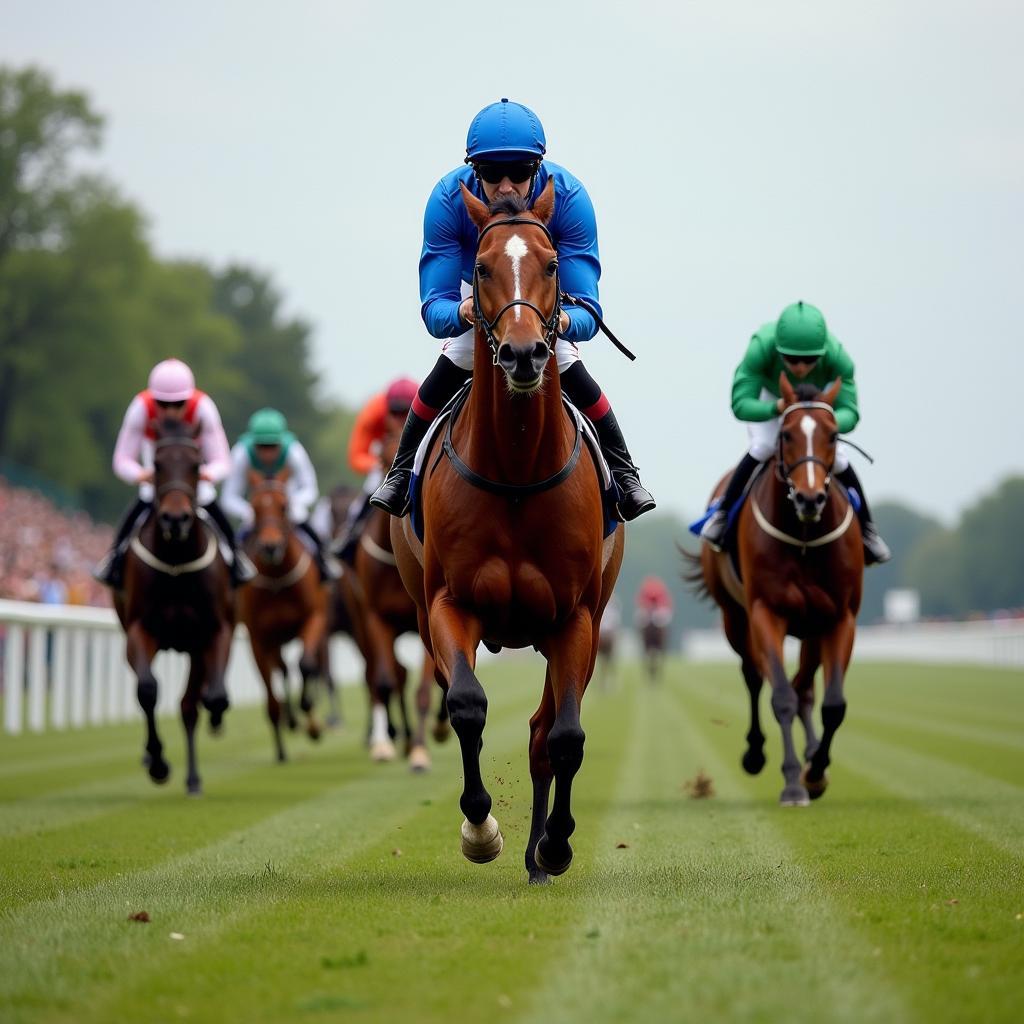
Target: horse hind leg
x=803, y=683
x=189, y=718
x=419, y=756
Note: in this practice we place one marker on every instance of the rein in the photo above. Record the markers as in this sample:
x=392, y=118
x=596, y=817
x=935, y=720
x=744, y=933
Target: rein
x=374, y=550
x=504, y=490
x=174, y=568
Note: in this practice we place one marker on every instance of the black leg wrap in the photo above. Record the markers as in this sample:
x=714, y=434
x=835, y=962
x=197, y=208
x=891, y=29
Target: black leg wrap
x=832, y=715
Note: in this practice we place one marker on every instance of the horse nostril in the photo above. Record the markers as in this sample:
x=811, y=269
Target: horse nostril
x=506, y=357
x=540, y=351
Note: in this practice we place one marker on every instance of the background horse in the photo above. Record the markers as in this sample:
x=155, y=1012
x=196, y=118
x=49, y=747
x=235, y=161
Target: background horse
x=654, y=640
x=801, y=561
x=513, y=553
x=177, y=596
x=388, y=612
x=285, y=601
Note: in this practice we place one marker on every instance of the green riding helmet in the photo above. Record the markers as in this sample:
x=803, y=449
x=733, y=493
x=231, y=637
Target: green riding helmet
x=801, y=331
x=267, y=426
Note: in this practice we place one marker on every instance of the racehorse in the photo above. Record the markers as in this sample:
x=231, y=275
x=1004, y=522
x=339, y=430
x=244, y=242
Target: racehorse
x=285, y=601
x=177, y=596
x=801, y=563
x=514, y=553
x=654, y=639
x=388, y=612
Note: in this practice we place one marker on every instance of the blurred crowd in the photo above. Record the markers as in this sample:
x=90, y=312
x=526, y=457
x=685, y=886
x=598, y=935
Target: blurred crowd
x=46, y=554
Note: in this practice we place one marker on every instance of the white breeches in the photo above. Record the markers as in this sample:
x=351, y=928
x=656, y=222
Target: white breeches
x=764, y=438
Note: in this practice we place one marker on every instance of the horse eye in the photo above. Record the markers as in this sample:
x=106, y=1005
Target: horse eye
x=833, y=437
x=786, y=436
x=552, y=268
x=482, y=270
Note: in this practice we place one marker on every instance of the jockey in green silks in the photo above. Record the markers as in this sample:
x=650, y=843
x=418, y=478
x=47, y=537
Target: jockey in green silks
x=267, y=448
x=800, y=345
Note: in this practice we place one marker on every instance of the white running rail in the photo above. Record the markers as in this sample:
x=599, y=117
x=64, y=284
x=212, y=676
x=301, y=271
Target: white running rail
x=64, y=667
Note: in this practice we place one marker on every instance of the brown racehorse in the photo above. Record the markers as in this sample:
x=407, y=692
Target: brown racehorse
x=285, y=601
x=801, y=562
x=388, y=612
x=514, y=553
x=177, y=596
x=654, y=639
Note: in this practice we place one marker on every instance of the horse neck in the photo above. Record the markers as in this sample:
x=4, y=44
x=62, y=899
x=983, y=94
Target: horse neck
x=512, y=438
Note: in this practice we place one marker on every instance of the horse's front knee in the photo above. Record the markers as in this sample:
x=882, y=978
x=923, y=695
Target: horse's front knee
x=785, y=702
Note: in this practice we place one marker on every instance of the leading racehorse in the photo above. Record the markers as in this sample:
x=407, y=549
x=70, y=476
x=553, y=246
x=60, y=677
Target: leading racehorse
x=513, y=552
x=177, y=596
x=801, y=568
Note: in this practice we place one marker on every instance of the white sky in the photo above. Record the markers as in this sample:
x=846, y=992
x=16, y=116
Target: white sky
x=867, y=157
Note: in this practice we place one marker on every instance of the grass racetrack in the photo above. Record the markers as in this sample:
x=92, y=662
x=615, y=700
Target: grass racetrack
x=331, y=888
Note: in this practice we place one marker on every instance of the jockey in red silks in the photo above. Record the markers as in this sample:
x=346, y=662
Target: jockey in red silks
x=384, y=414
x=653, y=603
x=171, y=394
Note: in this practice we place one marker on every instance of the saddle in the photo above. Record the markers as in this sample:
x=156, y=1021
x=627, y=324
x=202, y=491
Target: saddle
x=446, y=419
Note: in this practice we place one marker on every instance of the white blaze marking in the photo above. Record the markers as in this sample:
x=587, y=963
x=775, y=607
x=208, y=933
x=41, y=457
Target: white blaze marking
x=807, y=425
x=515, y=250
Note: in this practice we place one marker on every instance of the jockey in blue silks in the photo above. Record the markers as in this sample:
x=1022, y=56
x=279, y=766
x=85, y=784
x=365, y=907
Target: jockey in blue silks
x=505, y=160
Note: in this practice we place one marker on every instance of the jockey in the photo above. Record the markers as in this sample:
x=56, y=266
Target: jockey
x=653, y=603
x=171, y=394
x=384, y=414
x=505, y=157
x=268, y=447
x=800, y=345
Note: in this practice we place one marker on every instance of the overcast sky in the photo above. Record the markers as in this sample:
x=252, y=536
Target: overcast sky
x=867, y=157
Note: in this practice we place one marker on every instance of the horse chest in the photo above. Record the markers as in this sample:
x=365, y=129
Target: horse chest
x=183, y=618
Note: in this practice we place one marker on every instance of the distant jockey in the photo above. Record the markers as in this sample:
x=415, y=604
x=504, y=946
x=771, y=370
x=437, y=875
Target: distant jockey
x=800, y=345
x=382, y=416
x=268, y=447
x=505, y=151
x=171, y=394
x=653, y=603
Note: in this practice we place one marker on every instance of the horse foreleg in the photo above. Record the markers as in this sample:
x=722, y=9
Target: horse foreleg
x=768, y=631
x=803, y=683
x=836, y=651
x=215, y=662
x=335, y=718
x=570, y=655
x=541, y=774
x=189, y=718
x=381, y=682
x=266, y=661
x=455, y=635
x=419, y=756
x=737, y=632
x=312, y=636
x=141, y=649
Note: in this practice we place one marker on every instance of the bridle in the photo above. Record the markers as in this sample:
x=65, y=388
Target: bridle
x=785, y=471
x=182, y=486
x=549, y=323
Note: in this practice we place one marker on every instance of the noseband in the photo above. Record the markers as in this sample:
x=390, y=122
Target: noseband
x=784, y=471
x=183, y=486
x=550, y=323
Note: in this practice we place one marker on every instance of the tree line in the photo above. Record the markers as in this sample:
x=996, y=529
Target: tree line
x=87, y=308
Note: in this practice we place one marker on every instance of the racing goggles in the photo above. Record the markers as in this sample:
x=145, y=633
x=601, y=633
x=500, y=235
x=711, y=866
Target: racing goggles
x=516, y=172
x=796, y=360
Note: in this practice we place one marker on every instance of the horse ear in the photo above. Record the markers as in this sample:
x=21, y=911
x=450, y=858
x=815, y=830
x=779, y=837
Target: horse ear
x=478, y=213
x=544, y=208
x=832, y=393
x=786, y=389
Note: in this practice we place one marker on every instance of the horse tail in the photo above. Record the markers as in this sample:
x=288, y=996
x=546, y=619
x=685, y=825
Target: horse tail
x=693, y=574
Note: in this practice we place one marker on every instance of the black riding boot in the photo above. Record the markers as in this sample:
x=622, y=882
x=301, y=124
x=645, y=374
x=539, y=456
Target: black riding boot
x=634, y=498
x=344, y=546
x=329, y=568
x=110, y=571
x=714, y=529
x=393, y=493
x=242, y=569
x=876, y=550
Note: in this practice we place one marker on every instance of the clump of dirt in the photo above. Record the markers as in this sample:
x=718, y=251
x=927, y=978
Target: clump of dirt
x=142, y=916
x=700, y=787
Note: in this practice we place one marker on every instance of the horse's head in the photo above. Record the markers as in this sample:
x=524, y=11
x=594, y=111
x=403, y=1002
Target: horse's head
x=176, y=461
x=269, y=499
x=515, y=284
x=807, y=445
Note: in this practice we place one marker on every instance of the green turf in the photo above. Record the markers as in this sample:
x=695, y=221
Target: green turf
x=333, y=889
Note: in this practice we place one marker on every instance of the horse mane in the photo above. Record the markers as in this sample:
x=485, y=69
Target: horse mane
x=511, y=204
x=807, y=392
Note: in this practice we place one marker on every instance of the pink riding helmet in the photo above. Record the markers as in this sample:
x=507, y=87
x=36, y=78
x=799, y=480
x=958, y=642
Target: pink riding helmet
x=171, y=381
x=400, y=394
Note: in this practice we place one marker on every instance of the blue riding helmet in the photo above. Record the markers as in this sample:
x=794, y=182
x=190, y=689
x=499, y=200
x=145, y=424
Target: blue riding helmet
x=505, y=131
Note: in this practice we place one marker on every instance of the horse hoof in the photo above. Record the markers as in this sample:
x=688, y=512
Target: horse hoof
x=382, y=750
x=753, y=761
x=794, y=796
x=551, y=867
x=216, y=705
x=194, y=788
x=442, y=730
x=482, y=843
x=216, y=727
x=815, y=787
x=159, y=771
x=538, y=877
x=313, y=731
x=419, y=760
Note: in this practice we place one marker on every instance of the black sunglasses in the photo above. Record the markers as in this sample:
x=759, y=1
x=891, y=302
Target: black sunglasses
x=806, y=360
x=517, y=172
x=170, y=405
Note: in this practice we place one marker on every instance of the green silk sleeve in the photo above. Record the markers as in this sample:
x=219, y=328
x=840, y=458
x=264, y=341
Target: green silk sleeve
x=750, y=377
